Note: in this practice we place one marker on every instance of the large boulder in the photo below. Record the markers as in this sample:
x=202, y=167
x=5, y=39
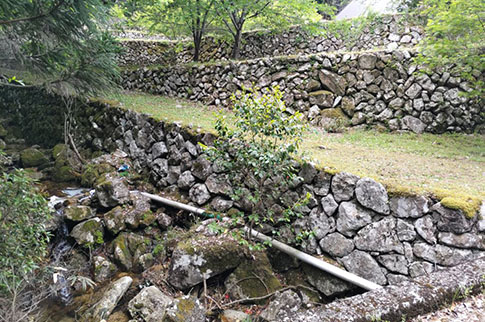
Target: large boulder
x=89, y=233
x=93, y=171
x=426, y=229
x=200, y=257
x=320, y=224
x=413, y=124
x=337, y=245
x=367, y=61
x=441, y=255
x=252, y=278
x=372, y=195
x=201, y=168
x=115, y=220
x=112, y=295
x=112, y=190
x=329, y=204
x=133, y=216
x=281, y=305
x=219, y=184
x=32, y=157
x=322, y=98
x=149, y=304
x=199, y=194
x=466, y=240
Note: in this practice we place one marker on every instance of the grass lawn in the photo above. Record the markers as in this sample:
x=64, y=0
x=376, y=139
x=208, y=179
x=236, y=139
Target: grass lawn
x=447, y=164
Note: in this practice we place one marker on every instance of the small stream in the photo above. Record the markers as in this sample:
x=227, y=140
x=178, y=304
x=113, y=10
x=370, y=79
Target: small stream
x=62, y=244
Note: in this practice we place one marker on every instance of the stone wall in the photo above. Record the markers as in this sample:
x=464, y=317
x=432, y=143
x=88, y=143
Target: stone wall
x=381, y=237
x=381, y=88
x=391, y=32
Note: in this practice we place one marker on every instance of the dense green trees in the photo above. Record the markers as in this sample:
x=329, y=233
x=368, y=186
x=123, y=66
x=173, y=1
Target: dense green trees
x=455, y=37
x=59, y=43
x=195, y=18
x=270, y=14
x=177, y=17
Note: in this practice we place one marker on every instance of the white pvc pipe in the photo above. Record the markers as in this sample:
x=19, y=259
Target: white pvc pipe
x=175, y=204
x=318, y=263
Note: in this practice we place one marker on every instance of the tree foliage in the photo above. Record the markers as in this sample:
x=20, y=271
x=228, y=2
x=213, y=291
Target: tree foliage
x=23, y=236
x=234, y=15
x=257, y=152
x=196, y=18
x=179, y=18
x=454, y=38
x=59, y=43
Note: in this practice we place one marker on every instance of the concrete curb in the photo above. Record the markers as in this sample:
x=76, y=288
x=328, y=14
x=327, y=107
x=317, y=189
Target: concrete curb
x=409, y=299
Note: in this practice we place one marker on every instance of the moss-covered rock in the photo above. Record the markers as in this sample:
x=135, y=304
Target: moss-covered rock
x=326, y=283
x=185, y=309
x=280, y=261
x=112, y=190
x=92, y=173
x=201, y=257
x=63, y=174
x=89, y=233
x=59, y=152
x=3, y=132
x=103, y=269
x=252, y=278
x=32, y=157
x=115, y=220
x=296, y=277
x=333, y=119
x=78, y=213
x=134, y=216
x=127, y=249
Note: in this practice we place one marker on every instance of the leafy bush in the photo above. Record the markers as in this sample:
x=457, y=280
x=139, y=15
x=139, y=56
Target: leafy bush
x=257, y=152
x=23, y=235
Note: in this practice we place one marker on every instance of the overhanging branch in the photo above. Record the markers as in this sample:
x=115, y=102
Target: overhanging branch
x=41, y=15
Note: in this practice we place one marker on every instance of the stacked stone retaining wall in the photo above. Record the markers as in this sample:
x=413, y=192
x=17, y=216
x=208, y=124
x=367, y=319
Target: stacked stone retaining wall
x=384, y=88
x=382, y=237
x=391, y=32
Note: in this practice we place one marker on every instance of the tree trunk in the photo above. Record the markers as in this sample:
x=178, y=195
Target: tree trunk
x=237, y=45
x=197, y=45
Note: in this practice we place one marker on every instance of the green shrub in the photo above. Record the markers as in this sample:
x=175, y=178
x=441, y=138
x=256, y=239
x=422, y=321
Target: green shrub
x=23, y=236
x=258, y=151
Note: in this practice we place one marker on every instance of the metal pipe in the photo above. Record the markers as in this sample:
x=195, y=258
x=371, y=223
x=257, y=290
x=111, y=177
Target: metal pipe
x=318, y=263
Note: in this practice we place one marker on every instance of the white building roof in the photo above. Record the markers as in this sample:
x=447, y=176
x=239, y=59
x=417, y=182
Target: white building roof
x=357, y=8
